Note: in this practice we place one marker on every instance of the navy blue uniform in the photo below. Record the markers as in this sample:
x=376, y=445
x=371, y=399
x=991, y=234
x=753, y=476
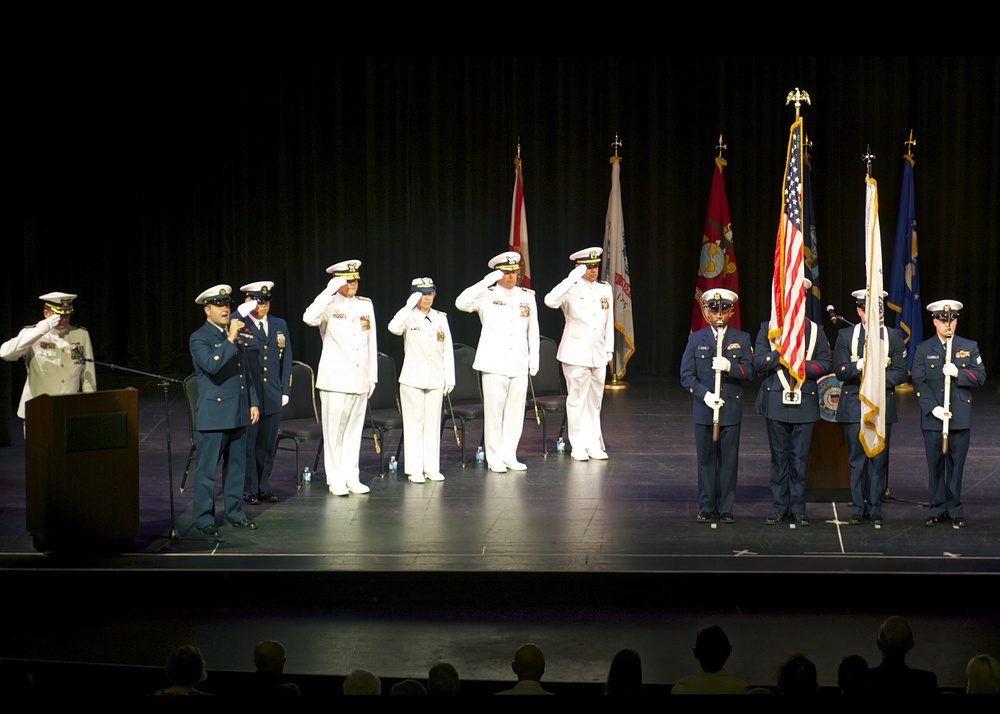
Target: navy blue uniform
x=944, y=471
x=269, y=364
x=868, y=476
x=717, y=461
x=225, y=396
x=790, y=426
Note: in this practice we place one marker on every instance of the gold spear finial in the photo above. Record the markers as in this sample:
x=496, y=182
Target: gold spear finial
x=909, y=144
x=518, y=148
x=616, y=144
x=867, y=158
x=720, y=146
x=797, y=97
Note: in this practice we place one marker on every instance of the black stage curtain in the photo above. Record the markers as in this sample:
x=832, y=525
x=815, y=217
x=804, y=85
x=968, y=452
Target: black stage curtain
x=139, y=183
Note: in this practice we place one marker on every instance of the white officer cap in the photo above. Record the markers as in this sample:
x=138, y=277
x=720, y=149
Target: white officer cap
x=422, y=285
x=717, y=298
x=259, y=291
x=807, y=283
x=215, y=295
x=508, y=261
x=588, y=256
x=347, y=269
x=939, y=310
x=59, y=303
x=861, y=295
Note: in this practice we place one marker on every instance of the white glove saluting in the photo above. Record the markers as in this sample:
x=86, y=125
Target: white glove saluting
x=411, y=302
x=578, y=272
x=335, y=284
x=49, y=323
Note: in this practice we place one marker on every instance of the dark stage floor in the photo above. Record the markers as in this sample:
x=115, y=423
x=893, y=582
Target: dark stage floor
x=581, y=558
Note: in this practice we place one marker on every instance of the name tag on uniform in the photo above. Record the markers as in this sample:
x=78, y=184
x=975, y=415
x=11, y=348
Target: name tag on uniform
x=792, y=398
x=499, y=302
x=339, y=316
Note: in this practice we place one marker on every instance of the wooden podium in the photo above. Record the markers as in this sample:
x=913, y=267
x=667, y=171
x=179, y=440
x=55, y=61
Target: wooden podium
x=81, y=471
x=828, y=473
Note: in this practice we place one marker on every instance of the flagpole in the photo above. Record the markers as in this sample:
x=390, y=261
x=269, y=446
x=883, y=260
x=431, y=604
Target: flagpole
x=615, y=384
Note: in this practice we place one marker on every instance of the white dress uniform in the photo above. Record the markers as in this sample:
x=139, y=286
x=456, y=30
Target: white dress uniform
x=348, y=371
x=58, y=361
x=428, y=371
x=506, y=355
x=588, y=340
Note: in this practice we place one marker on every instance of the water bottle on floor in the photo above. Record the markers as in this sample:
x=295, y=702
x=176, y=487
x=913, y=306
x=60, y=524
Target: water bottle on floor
x=480, y=455
x=307, y=475
x=393, y=465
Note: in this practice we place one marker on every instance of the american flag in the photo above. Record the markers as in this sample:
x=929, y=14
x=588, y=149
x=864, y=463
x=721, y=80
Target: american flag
x=787, y=328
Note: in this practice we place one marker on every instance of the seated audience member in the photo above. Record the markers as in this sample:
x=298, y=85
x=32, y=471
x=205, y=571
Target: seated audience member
x=185, y=669
x=529, y=666
x=852, y=675
x=895, y=640
x=625, y=674
x=362, y=682
x=442, y=679
x=407, y=686
x=269, y=665
x=797, y=675
x=983, y=674
x=712, y=650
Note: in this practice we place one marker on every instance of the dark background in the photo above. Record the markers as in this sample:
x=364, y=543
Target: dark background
x=139, y=182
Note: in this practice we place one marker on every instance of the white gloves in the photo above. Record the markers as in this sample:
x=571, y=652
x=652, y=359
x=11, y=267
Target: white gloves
x=493, y=277
x=532, y=371
x=371, y=389
x=940, y=413
x=448, y=388
x=247, y=307
x=335, y=284
x=49, y=323
x=949, y=370
x=578, y=272
x=721, y=364
x=710, y=400
x=411, y=302
x=284, y=399
x=610, y=356
x=861, y=364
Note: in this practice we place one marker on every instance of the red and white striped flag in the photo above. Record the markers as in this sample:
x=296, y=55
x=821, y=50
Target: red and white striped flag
x=787, y=328
x=519, y=225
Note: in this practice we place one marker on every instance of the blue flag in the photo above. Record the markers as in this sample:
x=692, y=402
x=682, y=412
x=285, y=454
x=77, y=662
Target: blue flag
x=904, y=275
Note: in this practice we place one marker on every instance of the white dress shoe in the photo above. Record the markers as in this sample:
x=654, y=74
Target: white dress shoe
x=515, y=465
x=436, y=476
x=338, y=491
x=597, y=454
x=416, y=478
x=498, y=468
x=580, y=455
x=357, y=488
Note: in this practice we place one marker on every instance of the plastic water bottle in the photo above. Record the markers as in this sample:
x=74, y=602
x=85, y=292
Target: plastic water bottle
x=393, y=466
x=560, y=445
x=307, y=475
x=480, y=455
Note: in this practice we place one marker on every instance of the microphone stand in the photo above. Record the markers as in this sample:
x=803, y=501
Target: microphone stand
x=164, y=382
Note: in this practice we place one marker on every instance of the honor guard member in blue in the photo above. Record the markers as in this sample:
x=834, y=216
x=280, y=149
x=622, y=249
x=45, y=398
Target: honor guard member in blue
x=227, y=405
x=790, y=408
x=58, y=355
x=268, y=348
x=427, y=376
x=348, y=371
x=587, y=345
x=932, y=366
x=507, y=355
x=718, y=461
x=868, y=475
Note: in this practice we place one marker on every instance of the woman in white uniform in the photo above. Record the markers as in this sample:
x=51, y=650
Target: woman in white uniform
x=428, y=374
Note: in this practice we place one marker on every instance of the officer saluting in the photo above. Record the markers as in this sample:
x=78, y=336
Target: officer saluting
x=507, y=355
x=587, y=345
x=945, y=370
x=58, y=355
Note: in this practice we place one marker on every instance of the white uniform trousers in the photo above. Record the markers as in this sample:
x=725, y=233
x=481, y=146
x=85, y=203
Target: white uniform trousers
x=421, y=429
x=503, y=415
x=585, y=387
x=343, y=420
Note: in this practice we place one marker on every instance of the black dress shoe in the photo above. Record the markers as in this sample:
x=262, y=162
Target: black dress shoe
x=959, y=522
x=245, y=523
x=251, y=499
x=704, y=517
x=876, y=520
x=267, y=497
x=727, y=518
x=933, y=521
x=210, y=530
x=801, y=519
x=774, y=519
x=856, y=520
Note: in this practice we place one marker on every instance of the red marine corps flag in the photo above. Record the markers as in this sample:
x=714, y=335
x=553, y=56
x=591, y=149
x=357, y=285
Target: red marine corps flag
x=717, y=263
x=787, y=327
x=519, y=224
